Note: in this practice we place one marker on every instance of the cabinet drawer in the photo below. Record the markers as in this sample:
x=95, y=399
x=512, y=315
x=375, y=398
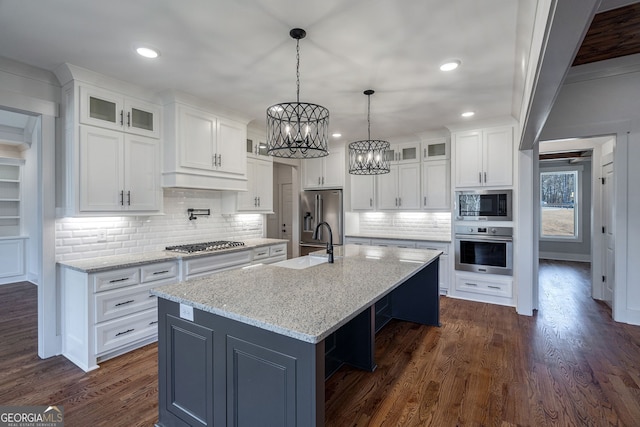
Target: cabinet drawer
x=496, y=288
x=115, y=279
x=260, y=253
x=278, y=250
x=120, y=302
x=201, y=266
x=125, y=330
x=163, y=270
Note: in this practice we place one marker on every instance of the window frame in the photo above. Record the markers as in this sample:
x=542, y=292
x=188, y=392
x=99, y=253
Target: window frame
x=577, y=206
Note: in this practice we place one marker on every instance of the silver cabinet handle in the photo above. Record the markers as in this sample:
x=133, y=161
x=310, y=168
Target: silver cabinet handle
x=399, y=201
x=219, y=160
x=255, y=202
x=128, y=198
x=471, y=284
x=213, y=160
x=485, y=177
x=125, y=332
x=493, y=287
x=480, y=177
x=319, y=180
x=425, y=153
x=122, y=198
x=118, y=280
x=121, y=117
x=425, y=200
x=160, y=272
x=370, y=202
x=129, y=119
x=323, y=180
x=396, y=201
x=258, y=201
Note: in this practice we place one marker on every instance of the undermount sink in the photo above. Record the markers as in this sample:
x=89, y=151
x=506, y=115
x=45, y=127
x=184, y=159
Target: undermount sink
x=302, y=262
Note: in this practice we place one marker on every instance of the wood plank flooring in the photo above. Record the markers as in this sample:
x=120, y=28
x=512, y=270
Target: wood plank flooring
x=570, y=364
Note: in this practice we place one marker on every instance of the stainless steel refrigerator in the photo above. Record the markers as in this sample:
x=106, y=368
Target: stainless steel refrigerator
x=317, y=206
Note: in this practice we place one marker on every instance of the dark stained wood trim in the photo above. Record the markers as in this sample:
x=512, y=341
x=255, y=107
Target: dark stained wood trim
x=612, y=34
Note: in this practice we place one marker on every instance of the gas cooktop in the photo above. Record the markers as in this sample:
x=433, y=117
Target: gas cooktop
x=204, y=247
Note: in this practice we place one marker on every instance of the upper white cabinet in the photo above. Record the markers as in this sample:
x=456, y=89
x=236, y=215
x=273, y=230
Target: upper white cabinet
x=436, y=187
x=362, y=192
x=257, y=148
x=203, y=150
x=111, y=110
x=111, y=154
x=259, y=198
x=407, y=152
x=118, y=172
x=400, y=188
x=324, y=172
x=435, y=149
x=484, y=157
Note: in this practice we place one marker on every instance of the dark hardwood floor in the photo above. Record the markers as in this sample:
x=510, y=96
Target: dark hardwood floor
x=570, y=364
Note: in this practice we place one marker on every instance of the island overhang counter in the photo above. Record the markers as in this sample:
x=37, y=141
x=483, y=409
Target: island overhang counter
x=254, y=345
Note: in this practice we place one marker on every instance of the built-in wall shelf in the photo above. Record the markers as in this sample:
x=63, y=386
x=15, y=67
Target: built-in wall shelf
x=10, y=196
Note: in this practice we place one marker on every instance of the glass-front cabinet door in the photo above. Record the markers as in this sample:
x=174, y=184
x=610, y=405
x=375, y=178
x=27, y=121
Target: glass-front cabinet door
x=106, y=109
x=408, y=152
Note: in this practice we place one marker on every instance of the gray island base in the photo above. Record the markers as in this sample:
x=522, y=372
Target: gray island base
x=253, y=347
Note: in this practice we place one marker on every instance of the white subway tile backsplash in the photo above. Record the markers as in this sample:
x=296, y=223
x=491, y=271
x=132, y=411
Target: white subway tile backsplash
x=76, y=238
x=411, y=225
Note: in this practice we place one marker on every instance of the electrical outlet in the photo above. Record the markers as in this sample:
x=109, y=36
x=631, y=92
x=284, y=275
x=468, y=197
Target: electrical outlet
x=186, y=312
x=102, y=236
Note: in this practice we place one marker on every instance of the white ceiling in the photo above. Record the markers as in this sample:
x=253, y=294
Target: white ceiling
x=238, y=53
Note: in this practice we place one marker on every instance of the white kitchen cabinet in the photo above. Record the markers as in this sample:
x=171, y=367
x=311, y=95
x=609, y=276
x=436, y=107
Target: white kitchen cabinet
x=10, y=196
x=435, y=149
x=444, y=268
x=269, y=254
x=108, y=167
x=108, y=313
x=436, y=187
x=406, y=152
x=357, y=241
x=484, y=158
x=209, y=264
x=362, y=192
x=257, y=148
x=12, y=260
x=400, y=188
x=259, y=198
x=203, y=149
x=324, y=172
x=112, y=110
x=395, y=243
x=490, y=288
x=118, y=171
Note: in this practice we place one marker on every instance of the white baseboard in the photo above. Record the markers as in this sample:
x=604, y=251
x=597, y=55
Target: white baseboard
x=562, y=256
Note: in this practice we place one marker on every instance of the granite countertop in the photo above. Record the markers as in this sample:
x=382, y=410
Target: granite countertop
x=442, y=238
x=94, y=265
x=307, y=304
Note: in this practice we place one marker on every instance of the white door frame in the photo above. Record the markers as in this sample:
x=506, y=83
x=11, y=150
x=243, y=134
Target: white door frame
x=49, y=340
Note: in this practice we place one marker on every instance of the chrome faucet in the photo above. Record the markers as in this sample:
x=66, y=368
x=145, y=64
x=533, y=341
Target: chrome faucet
x=329, y=243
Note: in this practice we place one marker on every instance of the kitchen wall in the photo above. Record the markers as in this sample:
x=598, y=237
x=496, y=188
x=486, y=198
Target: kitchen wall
x=400, y=225
x=77, y=238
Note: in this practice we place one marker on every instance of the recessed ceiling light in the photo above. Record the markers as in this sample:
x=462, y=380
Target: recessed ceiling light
x=467, y=114
x=450, y=65
x=336, y=135
x=147, y=52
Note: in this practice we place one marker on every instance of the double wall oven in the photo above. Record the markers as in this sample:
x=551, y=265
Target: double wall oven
x=479, y=246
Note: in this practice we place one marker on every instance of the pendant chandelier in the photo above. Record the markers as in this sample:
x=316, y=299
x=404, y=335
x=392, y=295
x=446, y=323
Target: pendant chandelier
x=369, y=157
x=297, y=129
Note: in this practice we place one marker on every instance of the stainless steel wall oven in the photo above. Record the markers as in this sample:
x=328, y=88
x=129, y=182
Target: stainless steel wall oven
x=484, y=249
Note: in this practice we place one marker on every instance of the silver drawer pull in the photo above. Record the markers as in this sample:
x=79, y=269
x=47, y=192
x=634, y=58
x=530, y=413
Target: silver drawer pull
x=153, y=322
x=471, y=284
x=119, y=280
x=261, y=253
x=125, y=303
x=125, y=332
x=160, y=272
x=494, y=287
x=278, y=250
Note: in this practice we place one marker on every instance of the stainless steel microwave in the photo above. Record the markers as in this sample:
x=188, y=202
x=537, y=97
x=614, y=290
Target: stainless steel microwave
x=483, y=205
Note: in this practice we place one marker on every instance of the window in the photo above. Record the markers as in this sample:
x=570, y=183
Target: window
x=559, y=204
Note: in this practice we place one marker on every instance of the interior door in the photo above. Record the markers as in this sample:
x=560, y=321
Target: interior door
x=608, y=265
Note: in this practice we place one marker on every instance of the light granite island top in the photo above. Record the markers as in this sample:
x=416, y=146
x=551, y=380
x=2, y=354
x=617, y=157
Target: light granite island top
x=254, y=346
x=306, y=304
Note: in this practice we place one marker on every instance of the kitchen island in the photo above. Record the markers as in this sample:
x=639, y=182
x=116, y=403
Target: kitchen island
x=254, y=346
